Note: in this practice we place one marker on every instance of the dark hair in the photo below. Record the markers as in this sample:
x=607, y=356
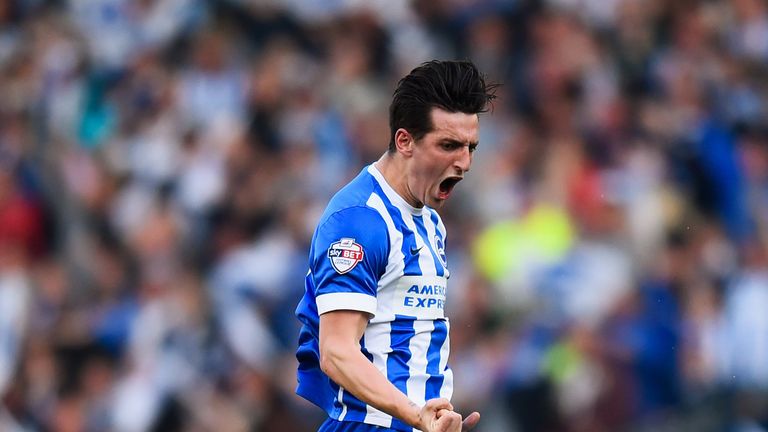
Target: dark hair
x=455, y=86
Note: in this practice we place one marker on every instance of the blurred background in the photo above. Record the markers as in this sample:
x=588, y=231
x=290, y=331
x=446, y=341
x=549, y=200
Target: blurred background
x=163, y=163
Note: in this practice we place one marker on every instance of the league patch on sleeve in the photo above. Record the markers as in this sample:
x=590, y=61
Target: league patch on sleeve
x=345, y=254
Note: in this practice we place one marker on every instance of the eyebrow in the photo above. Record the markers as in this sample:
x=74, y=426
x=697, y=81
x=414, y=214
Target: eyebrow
x=455, y=141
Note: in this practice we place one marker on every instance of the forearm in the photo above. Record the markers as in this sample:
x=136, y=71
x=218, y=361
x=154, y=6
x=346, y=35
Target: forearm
x=349, y=368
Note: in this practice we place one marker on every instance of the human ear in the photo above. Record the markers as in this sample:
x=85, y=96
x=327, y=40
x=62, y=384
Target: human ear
x=404, y=142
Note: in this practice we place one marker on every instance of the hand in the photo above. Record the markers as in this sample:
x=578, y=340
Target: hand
x=447, y=421
x=470, y=421
x=437, y=415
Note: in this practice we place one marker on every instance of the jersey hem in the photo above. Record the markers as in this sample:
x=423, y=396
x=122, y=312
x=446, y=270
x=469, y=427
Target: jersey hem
x=384, y=421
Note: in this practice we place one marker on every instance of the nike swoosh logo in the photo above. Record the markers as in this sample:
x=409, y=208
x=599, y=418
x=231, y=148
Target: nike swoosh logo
x=415, y=251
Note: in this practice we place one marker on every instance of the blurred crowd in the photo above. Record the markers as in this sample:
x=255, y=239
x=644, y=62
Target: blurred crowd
x=163, y=163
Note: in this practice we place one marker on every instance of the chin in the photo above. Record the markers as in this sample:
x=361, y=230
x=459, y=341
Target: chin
x=436, y=203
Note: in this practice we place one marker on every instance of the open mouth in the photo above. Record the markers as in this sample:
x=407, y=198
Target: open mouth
x=447, y=185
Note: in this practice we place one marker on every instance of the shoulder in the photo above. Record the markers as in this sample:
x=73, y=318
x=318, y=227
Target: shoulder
x=360, y=222
x=355, y=193
x=351, y=203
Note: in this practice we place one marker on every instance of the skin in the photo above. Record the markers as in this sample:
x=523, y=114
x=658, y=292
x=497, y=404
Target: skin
x=415, y=170
x=417, y=167
x=342, y=360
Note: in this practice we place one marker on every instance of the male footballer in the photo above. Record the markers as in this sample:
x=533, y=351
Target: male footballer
x=373, y=349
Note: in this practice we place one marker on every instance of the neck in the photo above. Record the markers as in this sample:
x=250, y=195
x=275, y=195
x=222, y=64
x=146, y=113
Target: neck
x=393, y=168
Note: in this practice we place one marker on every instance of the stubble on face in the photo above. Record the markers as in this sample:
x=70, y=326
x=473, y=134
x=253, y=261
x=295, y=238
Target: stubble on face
x=443, y=156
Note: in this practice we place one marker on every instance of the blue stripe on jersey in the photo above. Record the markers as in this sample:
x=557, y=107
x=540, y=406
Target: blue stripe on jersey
x=331, y=425
x=436, y=222
x=436, y=378
x=337, y=407
x=423, y=233
x=356, y=409
x=397, y=362
x=409, y=238
x=367, y=355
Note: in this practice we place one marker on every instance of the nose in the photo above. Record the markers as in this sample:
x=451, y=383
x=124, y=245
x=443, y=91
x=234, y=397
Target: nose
x=463, y=160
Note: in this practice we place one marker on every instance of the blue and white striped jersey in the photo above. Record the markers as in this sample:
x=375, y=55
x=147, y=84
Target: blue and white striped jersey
x=375, y=253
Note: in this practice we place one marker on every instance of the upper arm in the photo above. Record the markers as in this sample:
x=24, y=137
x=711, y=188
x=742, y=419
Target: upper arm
x=349, y=256
x=342, y=329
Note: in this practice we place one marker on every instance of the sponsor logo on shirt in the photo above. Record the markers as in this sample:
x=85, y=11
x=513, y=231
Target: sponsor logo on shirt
x=425, y=296
x=345, y=254
x=422, y=297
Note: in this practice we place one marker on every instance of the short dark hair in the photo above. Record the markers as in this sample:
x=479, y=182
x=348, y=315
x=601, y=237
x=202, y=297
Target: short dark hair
x=455, y=86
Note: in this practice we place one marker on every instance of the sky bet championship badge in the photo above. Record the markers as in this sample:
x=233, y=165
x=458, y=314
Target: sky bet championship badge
x=345, y=254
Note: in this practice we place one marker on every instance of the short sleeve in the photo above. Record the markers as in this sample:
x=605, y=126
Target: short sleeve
x=349, y=255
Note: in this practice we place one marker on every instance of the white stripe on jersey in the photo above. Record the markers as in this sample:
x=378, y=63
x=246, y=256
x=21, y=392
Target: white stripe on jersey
x=432, y=231
x=340, y=398
x=395, y=265
x=426, y=262
x=393, y=196
x=446, y=391
x=407, y=212
x=440, y=226
x=378, y=336
x=419, y=344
